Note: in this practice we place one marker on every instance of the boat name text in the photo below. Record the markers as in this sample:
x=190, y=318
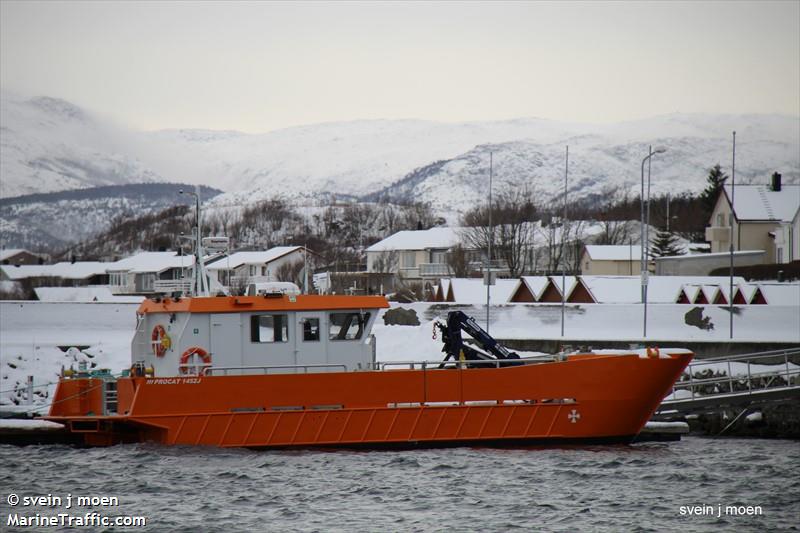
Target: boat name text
x=173, y=381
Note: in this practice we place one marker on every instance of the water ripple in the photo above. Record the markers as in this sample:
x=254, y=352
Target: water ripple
x=615, y=488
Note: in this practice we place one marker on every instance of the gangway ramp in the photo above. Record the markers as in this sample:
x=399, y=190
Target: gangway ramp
x=742, y=380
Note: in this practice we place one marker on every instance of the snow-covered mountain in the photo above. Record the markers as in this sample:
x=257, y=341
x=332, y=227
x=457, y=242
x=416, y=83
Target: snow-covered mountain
x=48, y=144
x=52, y=221
x=595, y=167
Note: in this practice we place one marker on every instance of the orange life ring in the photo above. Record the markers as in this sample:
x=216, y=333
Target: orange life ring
x=160, y=340
x=653, y=352
x=188, y=354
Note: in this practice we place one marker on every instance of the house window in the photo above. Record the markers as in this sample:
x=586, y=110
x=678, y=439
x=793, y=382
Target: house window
x=252, y=270
x=269, y=328
x=720, y=219
x=474, y=256
x=439, y=258
x=311, y=329
x=147, y=281
x=263, y=270
x=409, y=259
x=780, y=255
x=347, y=326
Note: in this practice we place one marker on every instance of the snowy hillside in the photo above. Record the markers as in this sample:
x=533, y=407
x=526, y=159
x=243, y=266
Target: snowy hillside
x=49, y=144
x=52, y=221
x=595, y=166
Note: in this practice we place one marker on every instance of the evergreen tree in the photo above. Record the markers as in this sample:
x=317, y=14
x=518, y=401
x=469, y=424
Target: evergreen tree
x=665, y=244
x=716, y=177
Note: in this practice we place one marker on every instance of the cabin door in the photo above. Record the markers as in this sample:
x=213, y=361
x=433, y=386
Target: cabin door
x=311, y=339
x=226, y=340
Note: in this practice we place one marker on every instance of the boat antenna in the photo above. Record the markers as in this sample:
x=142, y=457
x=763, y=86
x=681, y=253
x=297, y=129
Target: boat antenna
x=199, y=279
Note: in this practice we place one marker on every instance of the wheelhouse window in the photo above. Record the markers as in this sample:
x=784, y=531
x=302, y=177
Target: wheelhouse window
x=347, y=326
x=311, y=329
x=269, y=328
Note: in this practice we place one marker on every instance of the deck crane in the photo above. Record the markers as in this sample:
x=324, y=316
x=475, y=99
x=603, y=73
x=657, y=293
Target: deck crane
x=455, y=348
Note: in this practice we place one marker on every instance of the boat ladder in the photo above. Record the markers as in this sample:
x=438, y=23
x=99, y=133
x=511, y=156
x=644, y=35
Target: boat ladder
x=110, y=396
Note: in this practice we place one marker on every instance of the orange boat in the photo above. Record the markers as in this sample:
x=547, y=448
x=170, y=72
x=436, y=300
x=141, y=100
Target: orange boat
x=284, y=371
x=281, y=370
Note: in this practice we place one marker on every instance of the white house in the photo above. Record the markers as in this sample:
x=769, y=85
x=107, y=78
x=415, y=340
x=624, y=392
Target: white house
x=765, y=217
x=243, y=268
x=139, y=273
x=613, y=260
x=414, y=255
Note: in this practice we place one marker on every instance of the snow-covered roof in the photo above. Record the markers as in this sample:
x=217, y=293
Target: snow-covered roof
x=660, y=289
x=759, y=202
x=5, y=254
x=151, y=262
x=536, y=284
x=473, y=291
x=614, y=289
x=614, y=252
x=418, y=240
x=569, y=280
x=444, y=285
x=701, y=256
x=83, y=294
x=252, y=258
x=65, y=270
x=780, y=293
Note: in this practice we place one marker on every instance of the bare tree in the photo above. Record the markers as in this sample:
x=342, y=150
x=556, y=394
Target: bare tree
x=385, y=262
x=290, y=271
x=564, y=243
x=457, y=261
x=513, y=214
x=616, y=230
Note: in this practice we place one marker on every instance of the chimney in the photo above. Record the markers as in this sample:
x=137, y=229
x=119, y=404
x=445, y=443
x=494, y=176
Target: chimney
x=775, y=185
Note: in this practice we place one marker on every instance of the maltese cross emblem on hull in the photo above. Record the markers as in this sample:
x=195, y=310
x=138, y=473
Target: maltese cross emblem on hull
x=574, y=416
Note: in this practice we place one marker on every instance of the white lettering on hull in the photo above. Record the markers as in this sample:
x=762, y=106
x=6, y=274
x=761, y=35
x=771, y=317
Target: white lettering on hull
x=173, y=381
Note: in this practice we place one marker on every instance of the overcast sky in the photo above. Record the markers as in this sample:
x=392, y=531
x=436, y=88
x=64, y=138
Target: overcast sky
x=259, y=66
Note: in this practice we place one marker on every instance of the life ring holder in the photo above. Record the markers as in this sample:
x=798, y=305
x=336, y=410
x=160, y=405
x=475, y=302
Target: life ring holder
x=160, y=340
x=185, y=365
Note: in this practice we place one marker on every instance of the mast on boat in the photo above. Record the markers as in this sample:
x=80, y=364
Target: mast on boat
x=199, y=278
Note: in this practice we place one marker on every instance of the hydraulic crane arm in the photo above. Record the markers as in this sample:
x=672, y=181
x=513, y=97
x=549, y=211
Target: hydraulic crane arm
x=454, y=346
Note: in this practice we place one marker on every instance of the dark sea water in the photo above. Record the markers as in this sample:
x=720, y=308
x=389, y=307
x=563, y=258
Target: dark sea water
x=603, y=488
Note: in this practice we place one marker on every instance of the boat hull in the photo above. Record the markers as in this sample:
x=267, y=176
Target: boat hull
x=587, y=398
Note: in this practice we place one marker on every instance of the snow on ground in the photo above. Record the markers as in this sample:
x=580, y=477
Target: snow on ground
x=91, y=293
x=32, y=332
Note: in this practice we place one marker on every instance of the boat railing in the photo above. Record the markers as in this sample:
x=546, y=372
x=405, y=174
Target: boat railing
x=169, y=286
x=756, y=373
x=490, y=363
x=223, y=370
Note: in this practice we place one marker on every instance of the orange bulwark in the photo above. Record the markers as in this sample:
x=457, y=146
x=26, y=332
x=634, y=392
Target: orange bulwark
x=590, y=397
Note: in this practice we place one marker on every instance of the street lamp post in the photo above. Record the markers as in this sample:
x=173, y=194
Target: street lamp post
x=563, y=238
x=644, y=272
x=730, y=222
x=489, y=255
